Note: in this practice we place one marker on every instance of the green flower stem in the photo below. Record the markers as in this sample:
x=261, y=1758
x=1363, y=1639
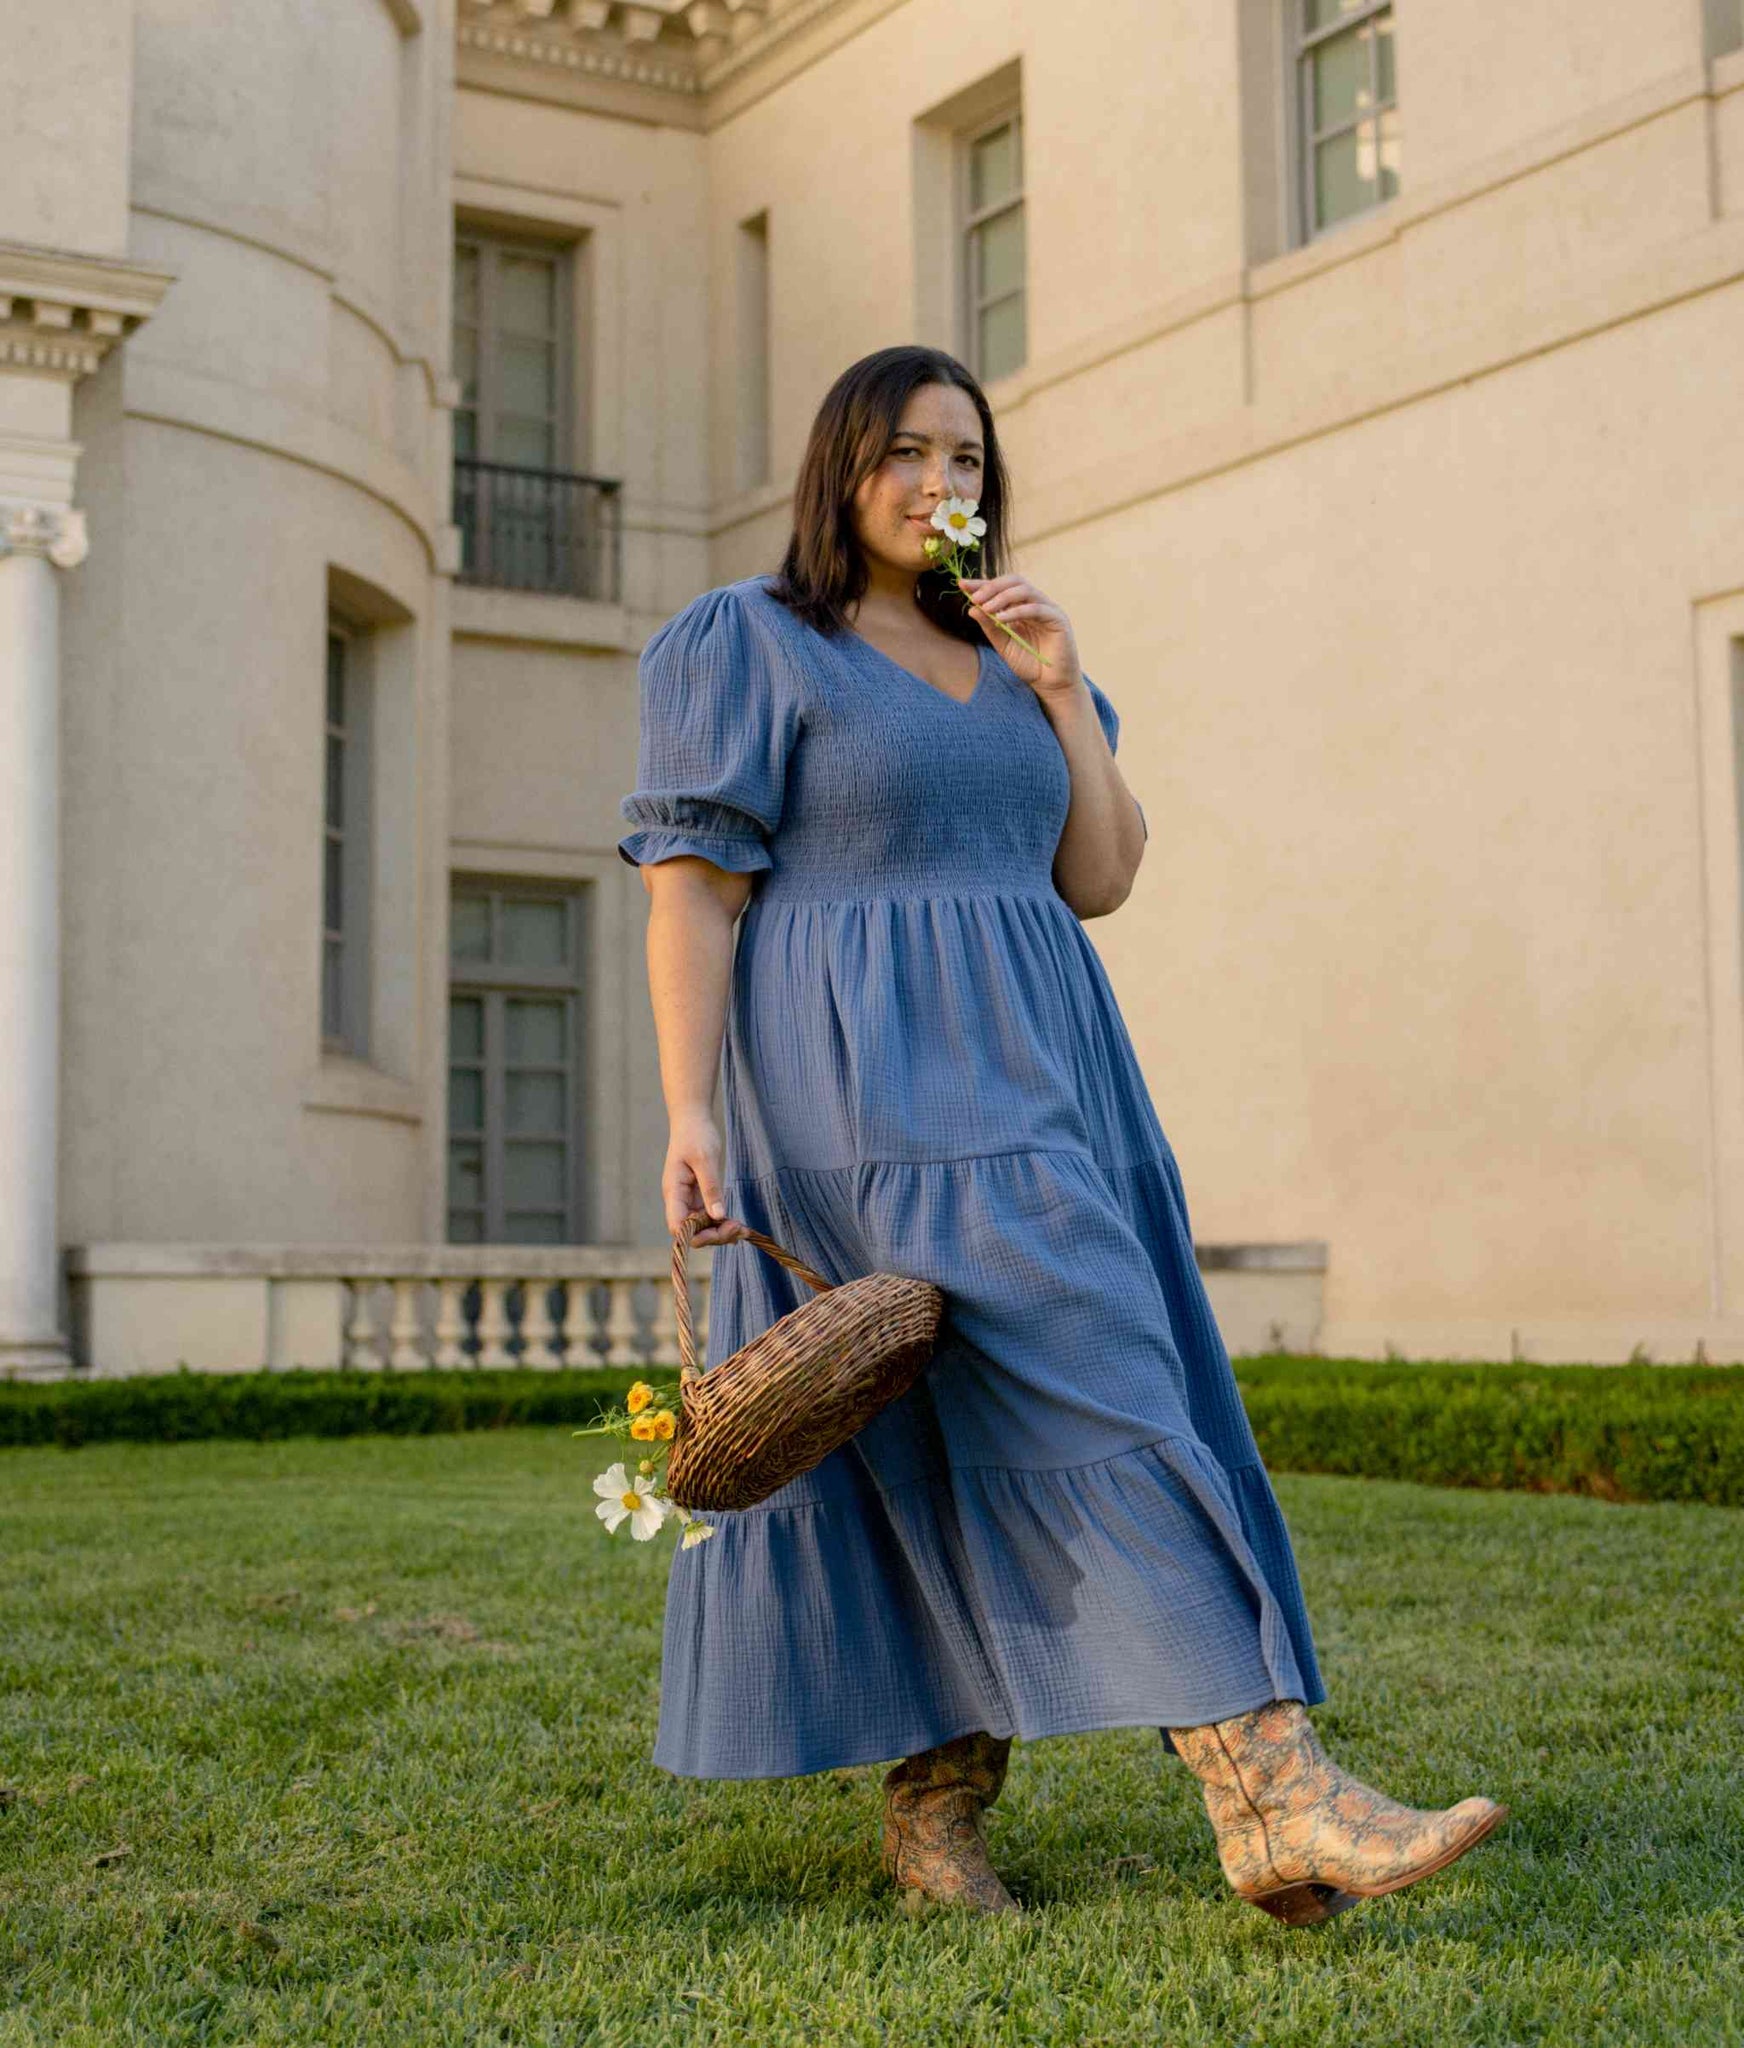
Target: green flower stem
x=952, y=556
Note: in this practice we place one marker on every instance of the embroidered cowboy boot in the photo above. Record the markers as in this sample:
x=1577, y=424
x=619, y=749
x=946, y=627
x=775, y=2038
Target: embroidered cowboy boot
x=933, y=1848
x=1301, y=1838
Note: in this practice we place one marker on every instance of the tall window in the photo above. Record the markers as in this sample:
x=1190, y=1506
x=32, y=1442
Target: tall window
x=1347, y=109
x=345, y=861
x=752, y=254
x=993, y=248
x=515, y=1060
x=1724, y=23
x=509, y=352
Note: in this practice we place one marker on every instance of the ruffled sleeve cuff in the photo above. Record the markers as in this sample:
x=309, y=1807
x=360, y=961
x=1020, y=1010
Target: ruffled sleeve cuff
x=670, y=825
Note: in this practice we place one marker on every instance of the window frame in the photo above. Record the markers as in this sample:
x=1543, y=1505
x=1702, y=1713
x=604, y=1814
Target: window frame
x=970, y=219
x=491, y=245
x=1302, y=44
x=345, y=949
x=493, y=981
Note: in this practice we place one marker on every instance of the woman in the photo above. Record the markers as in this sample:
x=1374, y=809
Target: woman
x=871, y=822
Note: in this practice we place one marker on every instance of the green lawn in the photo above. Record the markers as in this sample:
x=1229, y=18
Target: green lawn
x=371, y=1718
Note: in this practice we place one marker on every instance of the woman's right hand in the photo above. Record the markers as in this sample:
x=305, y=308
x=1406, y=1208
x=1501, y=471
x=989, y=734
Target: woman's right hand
x=691, y=1180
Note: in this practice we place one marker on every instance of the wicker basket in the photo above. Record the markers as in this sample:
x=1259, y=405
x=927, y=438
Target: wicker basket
x=784, y=1401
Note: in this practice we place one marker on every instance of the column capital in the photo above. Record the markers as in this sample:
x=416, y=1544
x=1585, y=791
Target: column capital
x=56, y=532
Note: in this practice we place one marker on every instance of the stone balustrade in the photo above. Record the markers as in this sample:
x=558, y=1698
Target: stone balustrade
x=136, y=1308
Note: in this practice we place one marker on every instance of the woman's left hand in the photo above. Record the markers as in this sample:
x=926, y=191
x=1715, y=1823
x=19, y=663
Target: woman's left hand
x=1015, y=602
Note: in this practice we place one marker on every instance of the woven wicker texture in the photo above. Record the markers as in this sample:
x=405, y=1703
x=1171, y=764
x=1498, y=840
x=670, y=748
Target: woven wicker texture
x=784, y=1401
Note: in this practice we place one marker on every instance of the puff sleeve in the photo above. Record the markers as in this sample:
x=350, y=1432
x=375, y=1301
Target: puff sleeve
x=713, y=741
x=1109, y=719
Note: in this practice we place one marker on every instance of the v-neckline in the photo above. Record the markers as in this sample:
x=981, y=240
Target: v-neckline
x=932, y=689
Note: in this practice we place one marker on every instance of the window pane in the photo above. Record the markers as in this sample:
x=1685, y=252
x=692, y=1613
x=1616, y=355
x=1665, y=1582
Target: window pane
x=465, y=1028
x=526, y=294
x=466, y=435
x=995, y=168
x=466, y=1176
x=999, y=255
x=1339, y=186
x=332, y=991
x=1001, y=339
x=1323, y=13
x=465, y=1099
x=1341, y=80
x=1386, y=84
x=333, y=877
x=534, y=1104
x=1389, y=153
x=535, y=1033
x=465, y=1227
x=335, y=781
x=528, y=381
x=466, y=283
x=532, y=1174
x=534, y=1229
x=335, y=679
x=525, y=444
x=469, y=927
x=466, y=363
x=535, y=933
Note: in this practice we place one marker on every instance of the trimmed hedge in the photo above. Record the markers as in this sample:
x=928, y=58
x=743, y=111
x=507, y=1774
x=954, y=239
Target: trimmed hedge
x=1622, y=1433
x=179, y=1407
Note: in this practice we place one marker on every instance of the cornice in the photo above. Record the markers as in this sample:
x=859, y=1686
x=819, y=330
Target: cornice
x=664, y=49
x=60, y=314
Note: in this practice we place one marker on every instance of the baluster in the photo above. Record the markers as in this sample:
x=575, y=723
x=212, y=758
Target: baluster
x=450, y=1324
x=573, y=1328
x=405, y=1338
x=663, y=1344
x=360, y=1331
x=539, y=1327
x=494, y=1327
x=623, y=1339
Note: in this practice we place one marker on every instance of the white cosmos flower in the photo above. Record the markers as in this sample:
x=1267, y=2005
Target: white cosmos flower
x=620, y=1495
x=694, y=1531
x=956, y=517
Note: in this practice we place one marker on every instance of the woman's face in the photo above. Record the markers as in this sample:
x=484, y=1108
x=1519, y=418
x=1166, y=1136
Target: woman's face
x=935, y=453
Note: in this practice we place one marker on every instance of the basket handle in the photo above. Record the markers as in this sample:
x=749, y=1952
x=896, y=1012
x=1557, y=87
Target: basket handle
x=700, y=1219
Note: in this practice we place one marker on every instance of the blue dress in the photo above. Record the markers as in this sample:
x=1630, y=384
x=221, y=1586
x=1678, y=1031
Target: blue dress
x=1064, y=1524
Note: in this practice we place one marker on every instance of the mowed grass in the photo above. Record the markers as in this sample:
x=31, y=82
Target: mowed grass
x=347, y=1742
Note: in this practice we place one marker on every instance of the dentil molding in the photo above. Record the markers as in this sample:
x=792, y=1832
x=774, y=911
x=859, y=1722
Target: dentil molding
x=680, y=46
x=56, y=532
x=61, y=314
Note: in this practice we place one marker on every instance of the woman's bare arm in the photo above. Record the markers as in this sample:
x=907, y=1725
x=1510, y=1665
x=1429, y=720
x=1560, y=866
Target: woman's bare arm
x=694, y=907
x=1103, y=840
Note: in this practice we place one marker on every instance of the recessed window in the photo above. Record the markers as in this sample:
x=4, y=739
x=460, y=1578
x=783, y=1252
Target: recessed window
x=1347, y=109
x=994, y=264
x=751, y=252
x=528, y=518
x=1723, y=21
x=515, y=1062
x=346, y=854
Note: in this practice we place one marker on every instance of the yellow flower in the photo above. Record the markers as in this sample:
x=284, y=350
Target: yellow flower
x=646, y=1468
x=665, y=1423
x=638, y=1397
x=643, y=1429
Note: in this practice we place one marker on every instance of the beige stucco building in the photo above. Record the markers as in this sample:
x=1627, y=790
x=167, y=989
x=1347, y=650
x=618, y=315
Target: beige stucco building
x=376, y=375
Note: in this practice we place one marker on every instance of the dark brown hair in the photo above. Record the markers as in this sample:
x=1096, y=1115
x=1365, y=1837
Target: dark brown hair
x=824, y=570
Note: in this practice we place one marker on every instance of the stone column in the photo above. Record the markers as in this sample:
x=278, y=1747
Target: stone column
x=37, y=543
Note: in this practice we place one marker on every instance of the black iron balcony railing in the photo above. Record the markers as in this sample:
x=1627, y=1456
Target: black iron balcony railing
x=538, y=529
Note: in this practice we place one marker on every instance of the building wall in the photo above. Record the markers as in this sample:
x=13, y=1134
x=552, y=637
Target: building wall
x=1388, y=549
x=544, y=688
x=285, y=419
